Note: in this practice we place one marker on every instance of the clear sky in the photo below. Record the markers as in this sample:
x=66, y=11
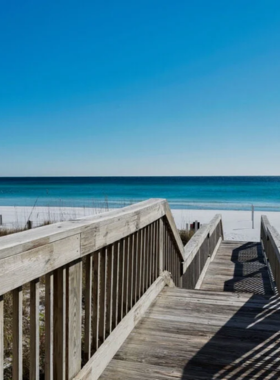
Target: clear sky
x=139, y=87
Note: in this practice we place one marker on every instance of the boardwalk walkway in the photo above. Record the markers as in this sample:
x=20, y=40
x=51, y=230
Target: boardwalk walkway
x=229, y=329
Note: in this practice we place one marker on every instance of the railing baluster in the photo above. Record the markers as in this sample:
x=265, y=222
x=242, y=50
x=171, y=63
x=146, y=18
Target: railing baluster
x=148, y=256
x=144, y=249
x=110, y=279
x=49, y=327
x=1, y=338
x=59, y=346
x=127, y=274
x=102, y=299
x=166, y=250
x=34, y=329
x=136, y=266
x=161, y=247
x=131, y=270
x=152, y=254
x=17, y=334
x=88, y=306
x=96, y=299
x=74, y=315
x=117, y=283
x=140, y=256
x=121, y=278
x=155, y=251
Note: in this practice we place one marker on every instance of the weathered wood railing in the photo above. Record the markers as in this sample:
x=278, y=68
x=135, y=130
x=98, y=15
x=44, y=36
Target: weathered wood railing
x=199, y=251
x=82, y=286
x=271, y=244
x=82, y=283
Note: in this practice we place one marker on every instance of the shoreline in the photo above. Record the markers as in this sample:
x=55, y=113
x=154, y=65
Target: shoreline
x=237, y=224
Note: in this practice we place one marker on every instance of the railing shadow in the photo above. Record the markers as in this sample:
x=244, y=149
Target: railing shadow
x=250, y=271
x=248, y=345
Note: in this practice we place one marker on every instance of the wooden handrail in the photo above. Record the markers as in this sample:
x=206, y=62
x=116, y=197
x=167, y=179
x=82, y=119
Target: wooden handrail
x=200, y=250
x=271, y=243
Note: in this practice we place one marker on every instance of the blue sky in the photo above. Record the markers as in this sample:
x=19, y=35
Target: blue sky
x=139, y=87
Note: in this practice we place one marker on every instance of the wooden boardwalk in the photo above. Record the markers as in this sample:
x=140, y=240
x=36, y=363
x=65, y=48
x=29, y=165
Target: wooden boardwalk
x=229, y=329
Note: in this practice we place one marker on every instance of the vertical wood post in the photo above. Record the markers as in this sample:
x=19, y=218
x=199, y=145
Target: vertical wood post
x=49, y=328
x=88, y=306
x=1, y=338
x=74, y=316
x=17, y=334
x=160, y=246
x=59, y=348
x=96, y=298
x=34, y=330
x=29, y=224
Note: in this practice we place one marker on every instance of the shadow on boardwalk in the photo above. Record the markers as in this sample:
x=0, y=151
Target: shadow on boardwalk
x=250, y=271
x=248, y=345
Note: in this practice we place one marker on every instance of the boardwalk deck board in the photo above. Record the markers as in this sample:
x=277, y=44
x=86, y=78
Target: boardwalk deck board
x=229, y=329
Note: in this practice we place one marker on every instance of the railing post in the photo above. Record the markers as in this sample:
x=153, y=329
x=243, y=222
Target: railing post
x=160, y=246
x=1, y=337
x=59, y=328
x=49, y=327
x=74, y=316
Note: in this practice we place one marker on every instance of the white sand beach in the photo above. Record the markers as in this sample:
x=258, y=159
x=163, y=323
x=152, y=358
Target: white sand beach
x=237, y=224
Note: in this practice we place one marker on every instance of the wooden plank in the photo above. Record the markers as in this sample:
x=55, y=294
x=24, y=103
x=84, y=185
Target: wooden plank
x=117, y=284
x=17, y=334
x=74, y=318
x=109, y=291
x=135, y=216
x=121, y=280
x=102, y=296
x=96, y=299
x=59, y=332
x=94, y=368
x=136, y=266
x=88, y=305
x=1, y=338
x=144, y=259
x=156, y=268
x=116, y=228
x=148, y=256
x=131, y=271
x=153, y=277
x=126, y=274
x=161, y=247
x=141, y=232
x=49, y=326
x=34, y=330
x=25, y=267
x=174, y=230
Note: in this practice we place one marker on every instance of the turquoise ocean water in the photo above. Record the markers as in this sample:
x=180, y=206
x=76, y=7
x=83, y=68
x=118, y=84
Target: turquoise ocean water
x=233, y=193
